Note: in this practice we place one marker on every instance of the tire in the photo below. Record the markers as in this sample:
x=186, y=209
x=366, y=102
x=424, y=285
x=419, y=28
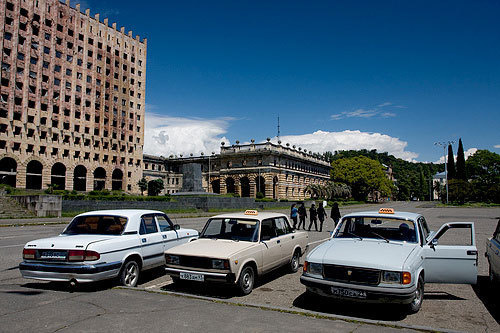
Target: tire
x=129, y=275
x=416, y=304
x=246, y=280
x=294, y=262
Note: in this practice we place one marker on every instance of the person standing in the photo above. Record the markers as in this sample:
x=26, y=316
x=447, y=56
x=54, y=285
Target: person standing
x=335, y=214
x=321, y=216
x=294, y=212
x=302, y=216
x=313, y=216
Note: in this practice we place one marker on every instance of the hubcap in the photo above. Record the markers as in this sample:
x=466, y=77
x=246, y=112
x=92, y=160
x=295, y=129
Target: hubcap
x=418, y=295
x=131, y=275
x=295, y=262
x=247, y=280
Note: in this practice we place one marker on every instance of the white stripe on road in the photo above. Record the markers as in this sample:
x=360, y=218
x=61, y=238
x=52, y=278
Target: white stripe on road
x=322, y=240
x=6, y=246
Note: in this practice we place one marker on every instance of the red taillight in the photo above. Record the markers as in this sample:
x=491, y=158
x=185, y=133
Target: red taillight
x=29, y=254
x=82, y=255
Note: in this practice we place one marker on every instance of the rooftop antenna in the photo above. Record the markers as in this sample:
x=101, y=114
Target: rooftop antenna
x=278, y=127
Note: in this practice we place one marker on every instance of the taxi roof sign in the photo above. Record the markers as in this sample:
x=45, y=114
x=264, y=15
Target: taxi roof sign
x=251, y=212
x=386, y=211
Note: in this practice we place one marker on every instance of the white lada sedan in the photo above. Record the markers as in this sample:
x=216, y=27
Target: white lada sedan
x=236, y=248
x=388, y=256
x=104, y=244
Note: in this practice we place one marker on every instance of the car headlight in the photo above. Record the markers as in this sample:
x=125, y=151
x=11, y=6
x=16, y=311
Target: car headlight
x=172, y=260
x=220, y=264
x=391, y=277
x=315, y=268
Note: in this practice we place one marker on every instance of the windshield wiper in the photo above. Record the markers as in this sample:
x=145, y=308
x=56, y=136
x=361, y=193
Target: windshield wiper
x=380, y=236
x=353, y=234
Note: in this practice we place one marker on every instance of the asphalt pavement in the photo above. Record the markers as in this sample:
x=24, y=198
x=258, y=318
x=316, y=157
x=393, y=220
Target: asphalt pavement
x=277, y=302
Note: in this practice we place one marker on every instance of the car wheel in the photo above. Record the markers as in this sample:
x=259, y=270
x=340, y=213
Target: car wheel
x=246, y=281
x=129, y=275
x=416, y=304
x=294, y=263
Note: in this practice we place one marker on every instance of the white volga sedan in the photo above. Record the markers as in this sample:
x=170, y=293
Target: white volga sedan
x=104, y=244
x=388, y=256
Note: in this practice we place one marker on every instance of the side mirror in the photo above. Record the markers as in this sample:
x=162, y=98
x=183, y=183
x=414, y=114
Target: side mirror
x=265, y=238
x=177, y=227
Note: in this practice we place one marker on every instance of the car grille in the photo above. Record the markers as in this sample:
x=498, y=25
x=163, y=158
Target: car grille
x=351, y=274
x=195, y=262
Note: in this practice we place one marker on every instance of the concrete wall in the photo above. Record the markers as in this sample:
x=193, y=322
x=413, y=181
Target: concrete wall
x=41, y=205
x=201, y=203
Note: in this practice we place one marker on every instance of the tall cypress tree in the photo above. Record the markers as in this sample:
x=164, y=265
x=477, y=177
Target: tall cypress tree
x=461, y=174
x=451, y=163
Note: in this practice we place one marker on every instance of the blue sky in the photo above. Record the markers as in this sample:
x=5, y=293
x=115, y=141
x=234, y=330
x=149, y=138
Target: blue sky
x=392, y=75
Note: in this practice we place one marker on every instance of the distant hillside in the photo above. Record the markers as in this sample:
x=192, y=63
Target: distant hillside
x=412, y=179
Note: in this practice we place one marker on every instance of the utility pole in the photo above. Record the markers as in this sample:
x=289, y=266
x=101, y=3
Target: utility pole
x=445, y=145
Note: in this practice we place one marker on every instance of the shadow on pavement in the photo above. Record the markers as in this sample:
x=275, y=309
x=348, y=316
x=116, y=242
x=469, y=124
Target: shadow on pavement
x=145, y=277
x=489, y=295
x=441, y=295
x=386, y=312
x=221, y=291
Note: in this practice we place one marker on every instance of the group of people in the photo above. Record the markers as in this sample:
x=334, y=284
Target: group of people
x=315, y=214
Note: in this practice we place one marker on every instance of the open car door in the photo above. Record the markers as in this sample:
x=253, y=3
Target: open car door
x=450, y=255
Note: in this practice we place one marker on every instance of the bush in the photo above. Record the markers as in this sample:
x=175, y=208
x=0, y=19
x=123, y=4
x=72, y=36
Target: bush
x=259, y=195
x=7, y=188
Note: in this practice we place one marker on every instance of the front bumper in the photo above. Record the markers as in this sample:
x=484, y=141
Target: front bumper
x=68, y=272
x=374, y=294
x=208, y=276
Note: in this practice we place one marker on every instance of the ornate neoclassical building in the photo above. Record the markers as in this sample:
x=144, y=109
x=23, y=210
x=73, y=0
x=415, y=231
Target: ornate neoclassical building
x=72, y=99
x=276, y=171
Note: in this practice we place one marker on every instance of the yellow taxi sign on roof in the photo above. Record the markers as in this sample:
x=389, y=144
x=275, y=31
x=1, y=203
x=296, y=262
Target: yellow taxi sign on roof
x=251, y=212
x=386, y=211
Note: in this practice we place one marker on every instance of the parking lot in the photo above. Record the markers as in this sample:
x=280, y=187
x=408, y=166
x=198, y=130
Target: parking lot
x=454, y=307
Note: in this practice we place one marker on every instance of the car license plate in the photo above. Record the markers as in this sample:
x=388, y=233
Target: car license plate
x=58, y=255
x=192, y=277
x=345, y=292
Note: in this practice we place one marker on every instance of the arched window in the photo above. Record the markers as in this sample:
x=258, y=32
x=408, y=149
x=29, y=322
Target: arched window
x=8, y=171
x=34, y=175
x=58, y=176
x=80, y=178
x=117, y=180
x=99, y=179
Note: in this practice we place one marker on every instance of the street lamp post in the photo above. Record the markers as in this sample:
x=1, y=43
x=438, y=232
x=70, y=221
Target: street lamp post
x=444, y=145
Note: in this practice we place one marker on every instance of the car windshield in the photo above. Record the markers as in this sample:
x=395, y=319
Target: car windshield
x=96, y=225
x=387, y=229
x=231, y=228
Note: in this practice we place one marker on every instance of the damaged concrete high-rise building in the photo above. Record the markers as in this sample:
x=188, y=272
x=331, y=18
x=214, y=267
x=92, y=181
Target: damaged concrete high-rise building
x=72, y=98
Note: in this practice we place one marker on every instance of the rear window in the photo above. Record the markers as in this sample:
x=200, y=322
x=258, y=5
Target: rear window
x=96, y=225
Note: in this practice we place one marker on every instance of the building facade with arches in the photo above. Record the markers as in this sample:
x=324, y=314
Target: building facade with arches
x=275, y=171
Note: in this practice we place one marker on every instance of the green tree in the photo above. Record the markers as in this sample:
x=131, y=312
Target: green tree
x=483, y=169
x=143, y=185
x=461, y=174
x=451, y=163
x=155, y=187
x=363, y=175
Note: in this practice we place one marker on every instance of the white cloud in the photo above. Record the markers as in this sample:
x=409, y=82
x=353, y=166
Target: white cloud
x=379, y=110
x=469, y=152
x=165, y=135
x=321, y=141
x=496, y=146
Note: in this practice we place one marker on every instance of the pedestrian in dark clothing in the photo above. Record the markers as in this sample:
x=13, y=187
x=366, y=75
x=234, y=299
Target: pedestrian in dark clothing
x=294, y=212
x=335, y=214
x=302, y=216
x=321, y=216
x=313, y=216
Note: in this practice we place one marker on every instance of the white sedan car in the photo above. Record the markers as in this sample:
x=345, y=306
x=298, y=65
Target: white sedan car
x=388, y=256
x=104, y=244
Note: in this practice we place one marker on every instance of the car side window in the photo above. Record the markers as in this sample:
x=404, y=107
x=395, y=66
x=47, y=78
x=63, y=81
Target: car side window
x=268, y=229
x=288, y=229
x=280, y=228
x=424, y=228
x=148, y=225
x=163, y=223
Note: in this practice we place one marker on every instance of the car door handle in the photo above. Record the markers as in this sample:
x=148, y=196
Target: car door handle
x=472, y=253
x=293, y=237
x=164, y=236
x=278, y=241
x=144, y=240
